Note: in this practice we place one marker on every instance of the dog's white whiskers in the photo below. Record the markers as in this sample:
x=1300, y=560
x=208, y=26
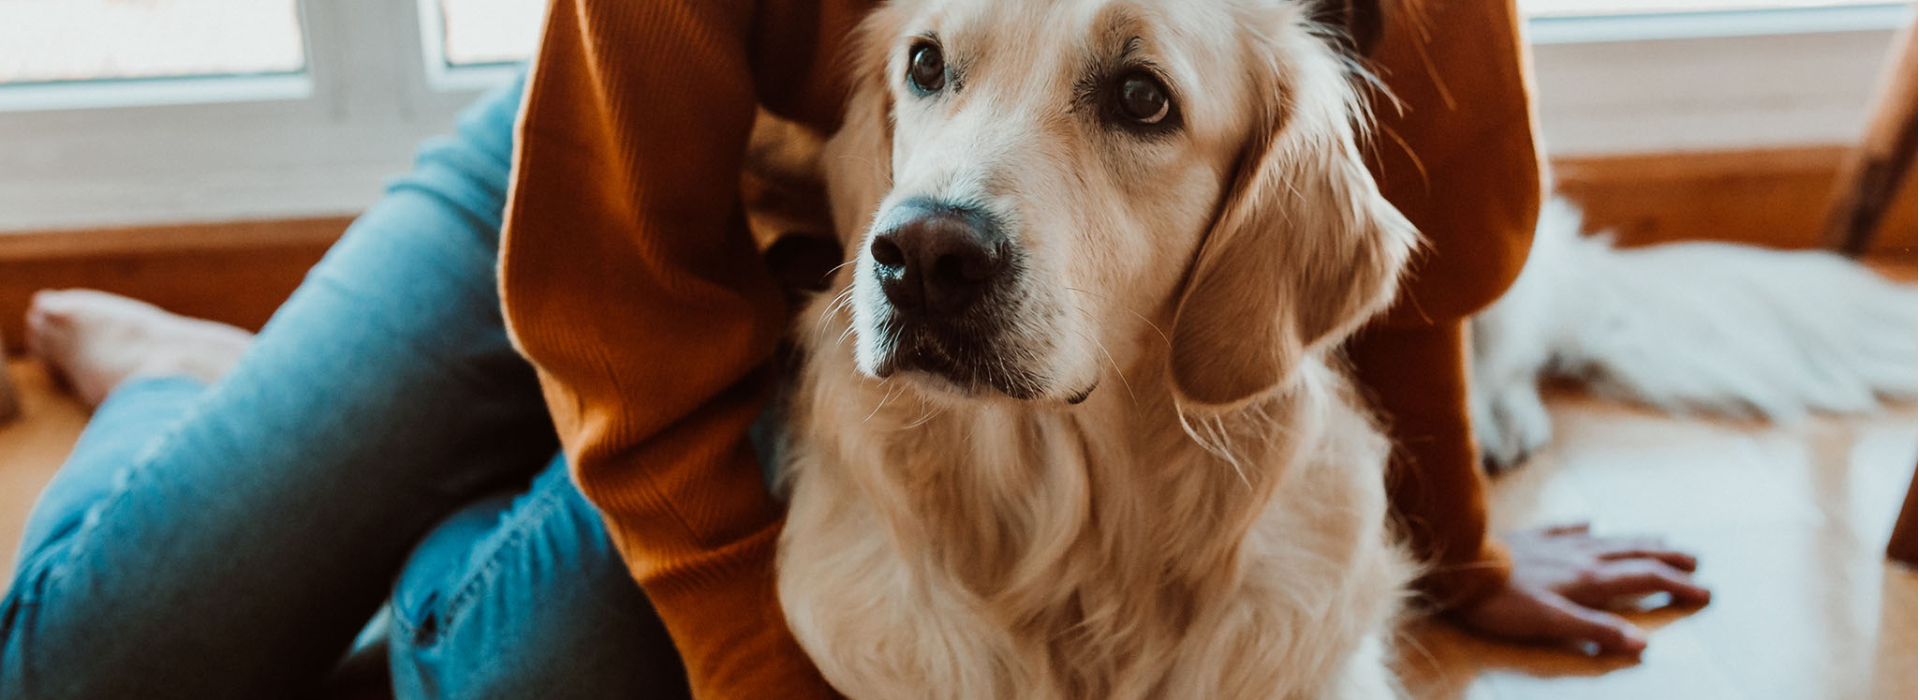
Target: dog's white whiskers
x=840, y=301
x=839, y=267
x=928, y=413
x=1110, y=361
x=1143, y=319
x=883, y=403
x=827, y=314
x=1116, y=371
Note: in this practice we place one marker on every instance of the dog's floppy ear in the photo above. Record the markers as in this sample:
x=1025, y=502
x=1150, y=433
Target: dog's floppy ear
x=1303, y=249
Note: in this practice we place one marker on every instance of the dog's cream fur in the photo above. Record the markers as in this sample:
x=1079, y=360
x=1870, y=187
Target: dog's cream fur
x=1694, y=327
x=1211, y=521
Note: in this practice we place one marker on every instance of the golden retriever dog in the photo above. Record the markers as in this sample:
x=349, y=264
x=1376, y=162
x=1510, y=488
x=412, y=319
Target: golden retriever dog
x=1068, y=424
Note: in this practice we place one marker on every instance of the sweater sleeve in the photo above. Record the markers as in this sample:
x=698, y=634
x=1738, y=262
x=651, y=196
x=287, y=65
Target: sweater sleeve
x=1417, y=377
x=1458, y=153
x=630, y=282
x=1459, y=158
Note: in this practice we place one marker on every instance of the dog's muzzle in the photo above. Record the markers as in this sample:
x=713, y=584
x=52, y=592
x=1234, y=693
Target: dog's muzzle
x=939, y=262
x=945, y=272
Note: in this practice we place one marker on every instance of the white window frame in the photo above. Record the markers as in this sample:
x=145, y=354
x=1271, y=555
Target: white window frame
x=319, y=143
x=1710, y=81
x=322, y=143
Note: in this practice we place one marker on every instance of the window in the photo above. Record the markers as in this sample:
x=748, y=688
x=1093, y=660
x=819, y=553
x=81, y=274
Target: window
x=72, y=40
x=170, y=111
x=164, y=111
x=1589, y=8
x=1625, y=76
x=488, y=31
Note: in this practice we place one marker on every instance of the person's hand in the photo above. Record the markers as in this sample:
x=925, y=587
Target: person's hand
x=1563, y=579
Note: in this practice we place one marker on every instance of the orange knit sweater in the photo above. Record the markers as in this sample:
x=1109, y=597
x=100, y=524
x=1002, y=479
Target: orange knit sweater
x=631, y=283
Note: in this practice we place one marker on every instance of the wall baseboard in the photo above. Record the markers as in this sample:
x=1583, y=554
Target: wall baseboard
x=236, y=272
x=1775, y=197
x=239, y=272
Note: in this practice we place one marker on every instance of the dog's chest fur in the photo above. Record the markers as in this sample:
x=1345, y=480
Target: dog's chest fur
x=1001, y=550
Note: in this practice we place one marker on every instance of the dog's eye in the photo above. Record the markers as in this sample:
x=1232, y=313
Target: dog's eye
x=926, y=68
x=1143, y=99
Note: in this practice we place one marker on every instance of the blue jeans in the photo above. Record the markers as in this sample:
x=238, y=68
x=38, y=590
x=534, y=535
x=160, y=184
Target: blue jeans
x=380, y=444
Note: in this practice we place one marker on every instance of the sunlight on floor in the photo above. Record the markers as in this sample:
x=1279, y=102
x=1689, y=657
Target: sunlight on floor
x=1789, y=523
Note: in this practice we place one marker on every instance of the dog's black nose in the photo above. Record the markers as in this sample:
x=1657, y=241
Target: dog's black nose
x=938, y=260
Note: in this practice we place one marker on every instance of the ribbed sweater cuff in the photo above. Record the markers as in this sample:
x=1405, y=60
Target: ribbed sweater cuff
x=1454, y=588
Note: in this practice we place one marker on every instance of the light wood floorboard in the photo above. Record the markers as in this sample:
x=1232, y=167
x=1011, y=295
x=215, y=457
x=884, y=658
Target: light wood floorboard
x=1789, y=523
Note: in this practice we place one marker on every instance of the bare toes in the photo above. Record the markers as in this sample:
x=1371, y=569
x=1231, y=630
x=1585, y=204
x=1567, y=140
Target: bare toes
x=95, y=341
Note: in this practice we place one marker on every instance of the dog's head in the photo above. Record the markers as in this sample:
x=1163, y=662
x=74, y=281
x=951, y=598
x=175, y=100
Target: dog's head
x=1056, y=182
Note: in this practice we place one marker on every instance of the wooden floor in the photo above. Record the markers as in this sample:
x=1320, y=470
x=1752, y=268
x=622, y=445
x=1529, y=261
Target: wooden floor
x=31, y=448
x=1789, y=523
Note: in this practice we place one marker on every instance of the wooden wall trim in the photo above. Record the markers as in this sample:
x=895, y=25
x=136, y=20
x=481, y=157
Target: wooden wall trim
x=236, y=272
x=228, y=235
x=1776, y=197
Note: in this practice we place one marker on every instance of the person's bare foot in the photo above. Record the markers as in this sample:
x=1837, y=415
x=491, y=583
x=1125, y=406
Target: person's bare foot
x=95, y=341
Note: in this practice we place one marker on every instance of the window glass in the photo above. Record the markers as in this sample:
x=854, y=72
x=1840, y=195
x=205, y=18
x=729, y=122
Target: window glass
x=73, y=40
x=1570, y=8
x=488, y=31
